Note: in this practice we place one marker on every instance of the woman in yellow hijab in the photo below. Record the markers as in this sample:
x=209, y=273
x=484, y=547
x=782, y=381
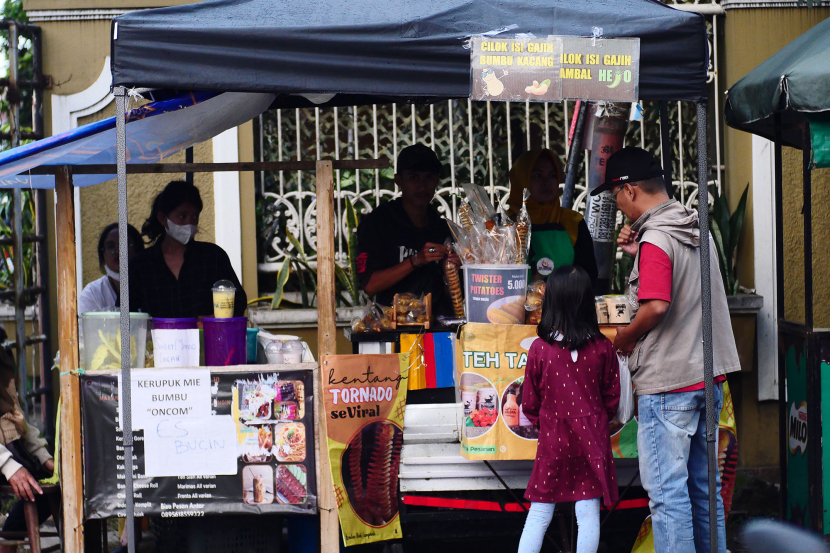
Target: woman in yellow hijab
x=559, y=236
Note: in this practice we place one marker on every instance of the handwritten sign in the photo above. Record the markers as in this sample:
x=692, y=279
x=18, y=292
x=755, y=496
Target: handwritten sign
x=174, y=348
x=164, y=394
x=197, y=446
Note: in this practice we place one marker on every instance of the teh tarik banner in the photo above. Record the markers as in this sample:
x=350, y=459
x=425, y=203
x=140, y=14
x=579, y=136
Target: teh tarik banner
x=365, y=399
x=490, y=365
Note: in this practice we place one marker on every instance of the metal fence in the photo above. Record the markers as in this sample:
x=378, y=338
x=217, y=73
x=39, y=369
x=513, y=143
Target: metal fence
x=476, y=141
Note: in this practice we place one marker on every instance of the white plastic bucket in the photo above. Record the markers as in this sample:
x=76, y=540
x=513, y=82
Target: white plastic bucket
x=495, y=293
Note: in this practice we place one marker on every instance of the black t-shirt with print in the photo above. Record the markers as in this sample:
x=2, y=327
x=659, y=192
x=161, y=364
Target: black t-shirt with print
x=386, y=236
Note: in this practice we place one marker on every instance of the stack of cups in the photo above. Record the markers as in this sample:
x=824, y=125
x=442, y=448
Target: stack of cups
x=225, y=335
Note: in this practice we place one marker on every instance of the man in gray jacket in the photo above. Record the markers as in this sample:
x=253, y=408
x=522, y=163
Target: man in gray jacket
x=665, y=346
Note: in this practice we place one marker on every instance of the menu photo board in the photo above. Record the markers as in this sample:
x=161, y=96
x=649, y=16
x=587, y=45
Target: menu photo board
x=204, y=443
x=554, y=68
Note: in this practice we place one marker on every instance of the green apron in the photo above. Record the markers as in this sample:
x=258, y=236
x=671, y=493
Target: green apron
x=550, y=247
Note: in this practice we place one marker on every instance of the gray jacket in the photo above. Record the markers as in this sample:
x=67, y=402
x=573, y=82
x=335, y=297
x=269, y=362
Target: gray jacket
x=670, y=356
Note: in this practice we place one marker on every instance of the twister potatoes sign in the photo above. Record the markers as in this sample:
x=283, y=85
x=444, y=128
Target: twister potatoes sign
x=491, y=362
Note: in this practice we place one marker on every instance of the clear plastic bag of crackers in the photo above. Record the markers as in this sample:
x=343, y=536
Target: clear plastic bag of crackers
x=376, y=318
x=410, y=308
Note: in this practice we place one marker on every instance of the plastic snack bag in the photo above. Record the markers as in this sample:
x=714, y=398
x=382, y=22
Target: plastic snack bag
x=625, y=411
x=523, y=229
x=454, y=285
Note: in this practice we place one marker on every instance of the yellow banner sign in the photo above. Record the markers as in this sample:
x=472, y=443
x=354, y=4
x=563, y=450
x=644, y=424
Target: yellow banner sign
x=491, y=362
x=365, y=398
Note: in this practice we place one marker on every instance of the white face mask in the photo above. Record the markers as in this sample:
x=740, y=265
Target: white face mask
x=112, y=274
x=181, y=233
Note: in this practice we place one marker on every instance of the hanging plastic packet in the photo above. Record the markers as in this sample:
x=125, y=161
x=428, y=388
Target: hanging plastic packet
x=454, y=285
x=502, y=218
x=523, y=229
x=465, y=214
x=480, y=205
x=533, y=302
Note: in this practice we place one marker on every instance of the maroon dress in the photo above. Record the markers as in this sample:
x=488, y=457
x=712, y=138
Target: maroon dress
x=572, y=402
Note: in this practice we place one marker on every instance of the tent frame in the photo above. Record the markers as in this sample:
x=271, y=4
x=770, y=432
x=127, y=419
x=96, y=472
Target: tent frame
x=72, y=475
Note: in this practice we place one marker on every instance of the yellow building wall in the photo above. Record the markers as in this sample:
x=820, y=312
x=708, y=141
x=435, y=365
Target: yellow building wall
x=750, y=37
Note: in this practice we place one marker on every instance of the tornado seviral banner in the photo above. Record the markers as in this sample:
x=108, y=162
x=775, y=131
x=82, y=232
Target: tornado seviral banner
x=204, y=443
x=365, y=399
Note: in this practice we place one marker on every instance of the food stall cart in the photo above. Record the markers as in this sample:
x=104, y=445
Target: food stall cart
x=337, y=54
x=785, y=100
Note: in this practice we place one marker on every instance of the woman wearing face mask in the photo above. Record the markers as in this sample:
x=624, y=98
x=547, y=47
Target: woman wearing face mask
x=174, y=276
x=558, y=236
x=104, y=294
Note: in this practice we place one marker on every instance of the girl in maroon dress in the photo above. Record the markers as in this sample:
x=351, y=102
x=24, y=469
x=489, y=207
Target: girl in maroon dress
x=571, y=391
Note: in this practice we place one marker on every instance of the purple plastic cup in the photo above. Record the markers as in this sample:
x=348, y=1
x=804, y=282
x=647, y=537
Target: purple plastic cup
x=175, y=324
x=225, y=341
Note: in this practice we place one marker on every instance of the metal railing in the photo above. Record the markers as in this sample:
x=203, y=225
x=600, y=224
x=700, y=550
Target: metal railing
x=29, y=292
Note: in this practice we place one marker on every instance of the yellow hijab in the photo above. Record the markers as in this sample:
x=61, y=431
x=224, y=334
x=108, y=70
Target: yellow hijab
x=540, y=214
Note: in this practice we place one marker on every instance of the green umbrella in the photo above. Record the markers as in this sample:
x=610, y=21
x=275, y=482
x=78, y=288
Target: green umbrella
x=794, y=83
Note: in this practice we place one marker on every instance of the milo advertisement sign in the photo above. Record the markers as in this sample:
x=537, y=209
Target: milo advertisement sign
x=495, y=294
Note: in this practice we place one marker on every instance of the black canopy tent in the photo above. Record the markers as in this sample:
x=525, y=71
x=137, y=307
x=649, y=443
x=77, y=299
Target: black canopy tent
x=377, y=48
x=370, y=51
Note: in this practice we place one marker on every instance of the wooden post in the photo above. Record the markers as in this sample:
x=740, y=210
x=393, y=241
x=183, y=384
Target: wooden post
x=326, y=339
x=70, y=444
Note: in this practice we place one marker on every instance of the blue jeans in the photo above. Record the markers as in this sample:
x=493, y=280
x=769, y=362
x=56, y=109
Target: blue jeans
x=674, y=471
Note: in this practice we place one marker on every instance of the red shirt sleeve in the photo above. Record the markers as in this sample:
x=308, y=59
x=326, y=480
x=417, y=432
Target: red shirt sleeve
x=655, y=274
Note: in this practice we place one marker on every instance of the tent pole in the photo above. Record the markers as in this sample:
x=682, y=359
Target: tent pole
x=326, y=340
x=123, y=262
x=665, y=148
x=779, y=293
x=808, y=227
x=574, y=157
x=71, y=473
x=706, y=304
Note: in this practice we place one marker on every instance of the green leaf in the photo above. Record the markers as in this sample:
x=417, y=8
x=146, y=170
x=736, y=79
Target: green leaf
x=297, y=246
x=342, y=277
x=282, y=278
x=724, y=266
x=736, y=222
x=303, y=288
x=351, y=242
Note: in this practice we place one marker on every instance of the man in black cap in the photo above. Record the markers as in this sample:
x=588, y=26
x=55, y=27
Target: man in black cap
x=665, y=346
x=401, y=242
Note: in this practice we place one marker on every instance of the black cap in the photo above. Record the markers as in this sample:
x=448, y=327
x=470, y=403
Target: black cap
x=418, y=158
x=630, y=164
